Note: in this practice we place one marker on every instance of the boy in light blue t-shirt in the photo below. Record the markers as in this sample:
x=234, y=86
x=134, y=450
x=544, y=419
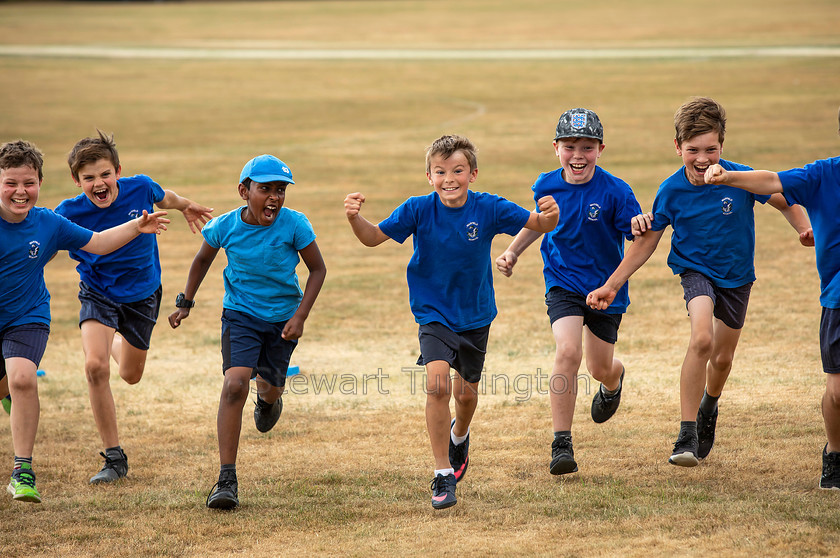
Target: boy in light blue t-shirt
x=816, y=187
x=578, y=256
x=31, y=237
x=264, y=308
x=450, y=284
x=119, y=292
x=712, y=250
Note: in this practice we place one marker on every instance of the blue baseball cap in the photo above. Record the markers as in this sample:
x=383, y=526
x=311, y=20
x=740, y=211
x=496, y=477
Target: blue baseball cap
x=266, y=168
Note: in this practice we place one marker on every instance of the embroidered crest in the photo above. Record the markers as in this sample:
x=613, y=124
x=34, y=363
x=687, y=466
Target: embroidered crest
x=726, y=206
x=472, y=231
x=135, y=213
x=34, y=248
x=579, y=120
x=594, y=212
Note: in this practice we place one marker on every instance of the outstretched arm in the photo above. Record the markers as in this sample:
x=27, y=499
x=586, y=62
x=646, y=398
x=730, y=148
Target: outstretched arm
x=546, y=219
x=368, y=233
x=757, y=181
x=195, y=214
x=797, y=218
x=200, y=265
x=636, y=255
x=114, y=238
x=314, y=262
x=508, y=258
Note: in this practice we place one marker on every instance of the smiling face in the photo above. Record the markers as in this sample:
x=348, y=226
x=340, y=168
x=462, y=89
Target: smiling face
x=19, y=187
x=263, y=202
x=698, y=154
x=451, y=178
x=578, y=156
x=98, y=180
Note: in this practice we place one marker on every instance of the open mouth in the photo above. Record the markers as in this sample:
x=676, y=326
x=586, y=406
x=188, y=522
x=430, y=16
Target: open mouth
x=270, y=211
x=701, y=169
x=578, y=167
x=20, y=201
x=101, y=195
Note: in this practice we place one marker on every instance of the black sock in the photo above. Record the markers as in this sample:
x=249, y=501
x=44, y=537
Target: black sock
x=708, y=404
x=688, y=427
x=562, y=433
x=115, y=453
x=231, y=467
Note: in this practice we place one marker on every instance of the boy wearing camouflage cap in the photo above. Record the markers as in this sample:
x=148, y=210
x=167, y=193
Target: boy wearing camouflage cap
x=579, y=255
x=712, y=250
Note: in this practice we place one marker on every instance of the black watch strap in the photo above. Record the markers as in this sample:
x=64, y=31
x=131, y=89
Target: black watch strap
x=183, y=302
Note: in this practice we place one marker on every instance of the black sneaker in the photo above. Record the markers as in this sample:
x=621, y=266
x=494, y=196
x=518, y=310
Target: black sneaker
x=604, y=407
x=113, y=470
x=685, y=450
x=705, y=433
x=830, y=478
x=224, y=494
x=562, y=456
x=443, y=491
x=459, y=456
x=267, y=414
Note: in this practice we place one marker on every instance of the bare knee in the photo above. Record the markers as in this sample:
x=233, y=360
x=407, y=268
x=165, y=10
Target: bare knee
x=466, y=396
x=700, y=345
x=235, y=390
x=23, y=384
x=132, y=374
x=97, y=371
x=832, y=396
x=568, y=355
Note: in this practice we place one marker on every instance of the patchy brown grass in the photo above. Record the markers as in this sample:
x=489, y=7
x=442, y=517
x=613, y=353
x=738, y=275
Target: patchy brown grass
x=348, y=472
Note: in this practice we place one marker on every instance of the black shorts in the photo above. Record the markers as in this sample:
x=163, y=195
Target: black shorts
x=730, y=304
x=250, y=342
x=134, y=320
x=562, y=303
x=830, y=340
x=463, y=350
x=27, y=341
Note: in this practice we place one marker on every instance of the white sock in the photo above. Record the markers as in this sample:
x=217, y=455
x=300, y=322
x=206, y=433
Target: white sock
x=458, y=440
x=445, y=472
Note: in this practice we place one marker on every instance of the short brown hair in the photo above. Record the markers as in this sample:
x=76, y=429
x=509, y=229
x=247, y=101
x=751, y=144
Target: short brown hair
x=90, y=150
x=22, y=153
x=699, y=116
x=446, y=146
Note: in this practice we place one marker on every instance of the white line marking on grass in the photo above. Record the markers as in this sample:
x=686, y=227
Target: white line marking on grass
x=81, y=51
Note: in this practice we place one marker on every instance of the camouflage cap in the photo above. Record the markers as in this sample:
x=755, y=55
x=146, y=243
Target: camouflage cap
x=579, y=123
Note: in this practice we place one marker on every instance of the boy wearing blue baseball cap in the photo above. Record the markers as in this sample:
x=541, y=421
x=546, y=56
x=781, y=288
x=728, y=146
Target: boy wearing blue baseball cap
x=264, y=308
x=578, y=256
x=119, y=292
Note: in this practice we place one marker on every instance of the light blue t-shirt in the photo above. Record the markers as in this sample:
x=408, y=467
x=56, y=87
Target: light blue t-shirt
x=25, y=249
x=450, y=276
x=131, y=273
x=587, y=245
x=713, y=227
x=816, y=187
x=260, y=277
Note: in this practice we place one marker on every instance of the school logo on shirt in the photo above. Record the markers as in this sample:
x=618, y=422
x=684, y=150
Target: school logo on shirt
x=726, y=206
x=34, y=247
x=593, y=212
x=135, y=213
x=472, y=231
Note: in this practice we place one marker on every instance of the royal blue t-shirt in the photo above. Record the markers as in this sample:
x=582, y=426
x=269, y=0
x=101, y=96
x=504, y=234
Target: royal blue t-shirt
x=450, y=276
x=713, y=227
x=260, y=277
x=132, y=272
x=816, y=187
x=25, y=249
x=581, y=253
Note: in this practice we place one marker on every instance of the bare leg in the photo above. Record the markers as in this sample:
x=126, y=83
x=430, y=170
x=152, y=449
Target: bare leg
x=229, y=419
x=568, y=338
x=438, y=418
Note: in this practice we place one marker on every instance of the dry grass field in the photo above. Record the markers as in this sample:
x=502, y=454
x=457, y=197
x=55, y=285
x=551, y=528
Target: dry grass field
x=347, y=469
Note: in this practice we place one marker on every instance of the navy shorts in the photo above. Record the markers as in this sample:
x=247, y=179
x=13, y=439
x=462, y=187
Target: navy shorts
x=27, y=341
x=562, y=303
x=134, y=320
x=830, y=340
x=463, y=350
x=730, y=304
x=250, y=342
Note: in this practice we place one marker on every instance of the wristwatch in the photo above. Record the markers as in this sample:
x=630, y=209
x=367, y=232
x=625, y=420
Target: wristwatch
x=183, y=302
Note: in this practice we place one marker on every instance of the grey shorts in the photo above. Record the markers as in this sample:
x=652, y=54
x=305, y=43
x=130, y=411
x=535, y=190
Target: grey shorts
x=730, y=304
x=27, y=341
x=134, y=320
x=463, y=350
